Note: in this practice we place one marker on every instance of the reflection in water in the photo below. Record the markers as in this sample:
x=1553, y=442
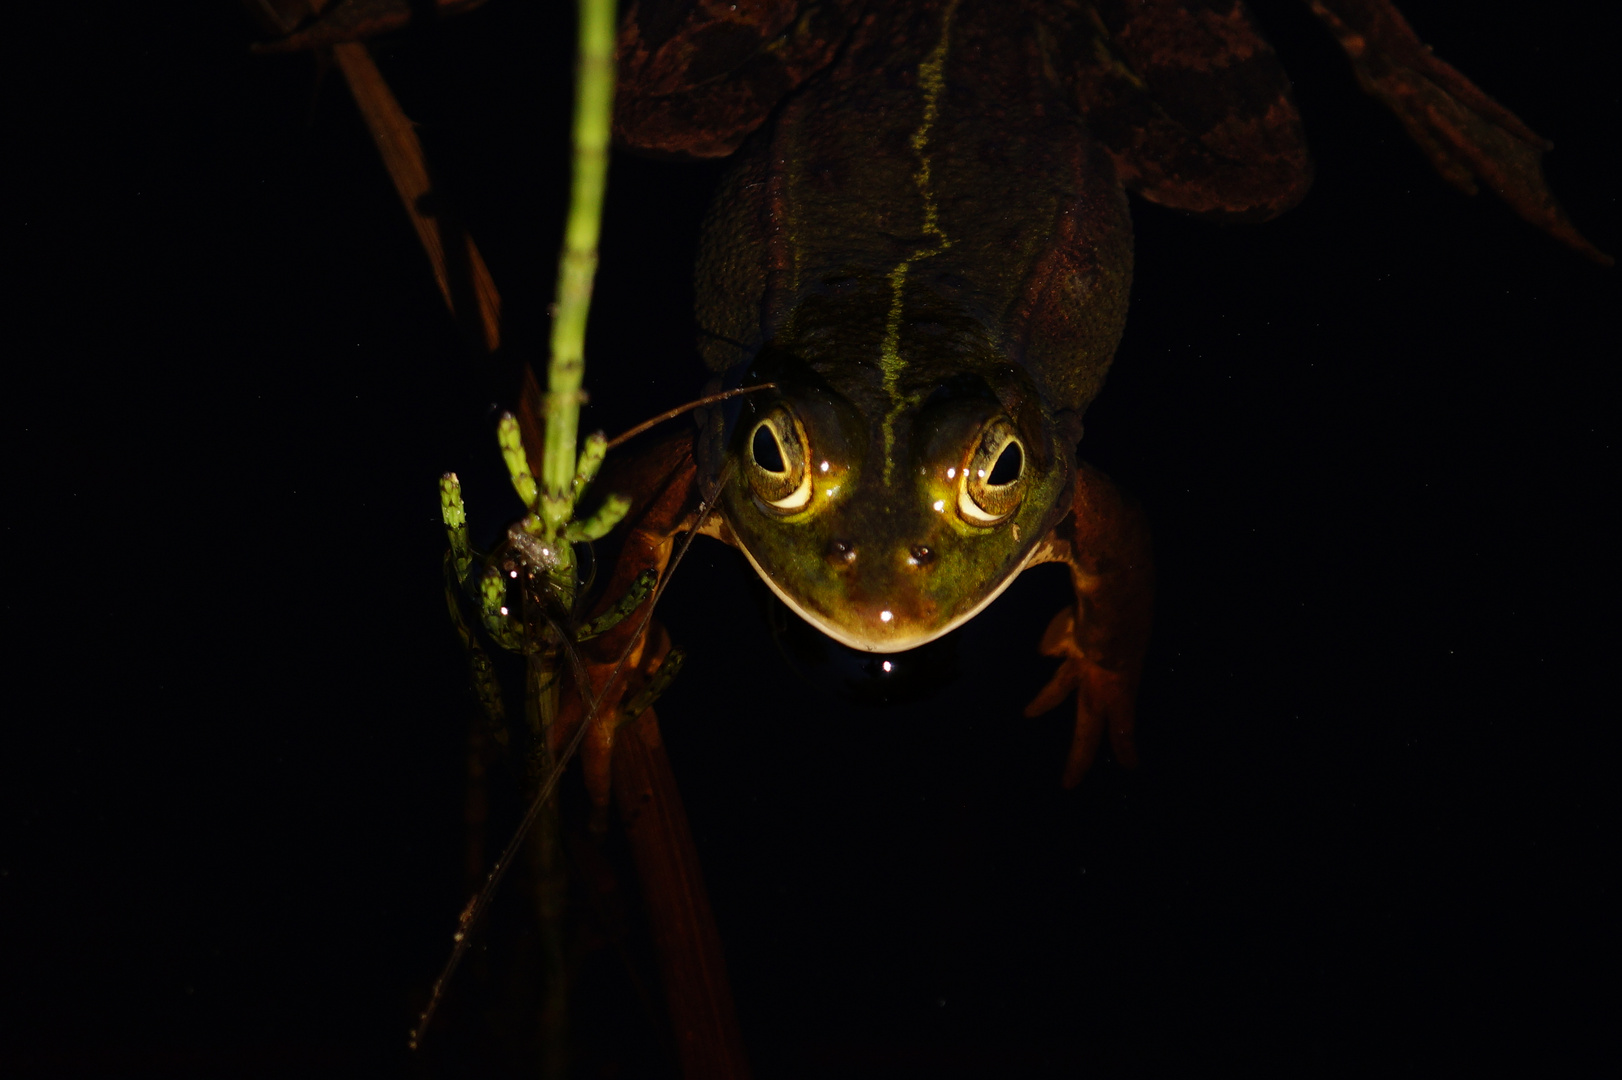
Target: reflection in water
x=852, y=676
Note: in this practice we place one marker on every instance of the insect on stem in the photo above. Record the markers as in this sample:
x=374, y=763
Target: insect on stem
x=473, y=913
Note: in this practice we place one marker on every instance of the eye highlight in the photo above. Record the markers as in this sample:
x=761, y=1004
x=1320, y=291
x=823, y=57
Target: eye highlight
x=994, y=481
x=775, y=463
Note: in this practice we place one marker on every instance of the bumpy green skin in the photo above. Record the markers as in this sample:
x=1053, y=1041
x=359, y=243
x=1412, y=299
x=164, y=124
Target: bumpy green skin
x=922, y=239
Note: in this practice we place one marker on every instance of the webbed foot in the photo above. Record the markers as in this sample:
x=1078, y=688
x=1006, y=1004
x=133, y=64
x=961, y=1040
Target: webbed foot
x=1104, y=698
x=1101, y=639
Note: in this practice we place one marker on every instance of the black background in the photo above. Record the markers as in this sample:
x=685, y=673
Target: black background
x=1376, y=440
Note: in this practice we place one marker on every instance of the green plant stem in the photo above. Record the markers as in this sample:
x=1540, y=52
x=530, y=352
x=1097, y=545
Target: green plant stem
x=577, y=266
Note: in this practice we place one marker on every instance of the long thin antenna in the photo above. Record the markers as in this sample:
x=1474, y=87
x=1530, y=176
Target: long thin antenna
x=473, y=913
x=671, y=414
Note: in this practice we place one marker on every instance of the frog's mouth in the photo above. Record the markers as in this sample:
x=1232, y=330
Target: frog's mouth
x=883, y=626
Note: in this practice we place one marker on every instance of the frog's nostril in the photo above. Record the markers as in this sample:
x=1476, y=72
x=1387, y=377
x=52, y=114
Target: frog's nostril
x=841, y=551
x=920, y=555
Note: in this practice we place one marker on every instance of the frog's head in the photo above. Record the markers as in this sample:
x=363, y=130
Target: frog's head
x=884, y=519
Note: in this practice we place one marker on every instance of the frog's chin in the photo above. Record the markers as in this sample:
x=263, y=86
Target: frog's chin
x=887, y=635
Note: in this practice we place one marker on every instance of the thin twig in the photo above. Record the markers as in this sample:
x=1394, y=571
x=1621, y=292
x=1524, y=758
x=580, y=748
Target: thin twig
x=671, y=414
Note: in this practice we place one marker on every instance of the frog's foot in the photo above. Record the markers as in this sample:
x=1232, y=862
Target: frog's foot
x=618, y=693
x=1466, y=134
x=1101, y=639
x=1104, y=698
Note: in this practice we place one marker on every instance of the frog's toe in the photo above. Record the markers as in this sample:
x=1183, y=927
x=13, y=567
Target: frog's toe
x=1084, y=740
x=1058, y=640
x=1114, y=695
x=1058, y=688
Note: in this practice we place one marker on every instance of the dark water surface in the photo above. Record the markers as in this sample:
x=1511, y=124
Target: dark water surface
x=1376, y=439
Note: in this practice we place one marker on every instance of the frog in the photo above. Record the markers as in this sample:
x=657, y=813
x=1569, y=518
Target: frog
x=914, y=279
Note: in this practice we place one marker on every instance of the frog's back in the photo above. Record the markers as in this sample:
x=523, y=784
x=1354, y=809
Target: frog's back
x=930, y=200
x=952, y=169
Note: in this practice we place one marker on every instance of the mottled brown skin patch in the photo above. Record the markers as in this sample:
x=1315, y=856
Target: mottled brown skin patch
x=697, y=78
x=1193, y=105
x=829, y=194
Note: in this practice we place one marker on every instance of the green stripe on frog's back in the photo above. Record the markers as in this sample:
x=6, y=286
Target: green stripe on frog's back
x=915, y=211
x=931, y=82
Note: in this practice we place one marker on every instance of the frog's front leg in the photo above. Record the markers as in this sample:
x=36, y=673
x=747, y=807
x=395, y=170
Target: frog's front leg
x=623, y=746
x=621, y=662
x=1101, y=639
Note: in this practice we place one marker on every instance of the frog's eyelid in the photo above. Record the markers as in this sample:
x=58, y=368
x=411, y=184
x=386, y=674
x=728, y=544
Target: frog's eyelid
x=798, y=497
x=969, y=509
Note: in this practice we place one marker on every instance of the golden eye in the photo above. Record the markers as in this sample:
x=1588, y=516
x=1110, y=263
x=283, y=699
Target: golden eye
x=993, y=482
x=775, y=462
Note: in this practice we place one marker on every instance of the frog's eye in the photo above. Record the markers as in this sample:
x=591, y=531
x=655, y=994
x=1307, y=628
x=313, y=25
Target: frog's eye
x=992, y=484
x=776, y=462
